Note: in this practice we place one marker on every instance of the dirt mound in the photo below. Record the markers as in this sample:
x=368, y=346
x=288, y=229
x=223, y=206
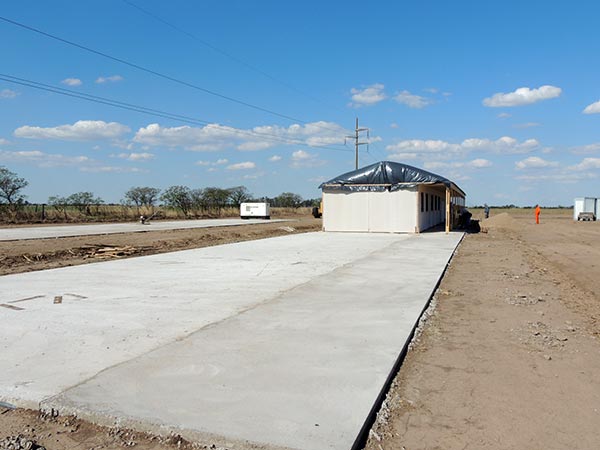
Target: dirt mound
x=502, y=220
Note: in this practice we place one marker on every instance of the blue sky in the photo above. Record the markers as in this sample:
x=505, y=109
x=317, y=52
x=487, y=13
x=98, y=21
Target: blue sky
x=501, y=97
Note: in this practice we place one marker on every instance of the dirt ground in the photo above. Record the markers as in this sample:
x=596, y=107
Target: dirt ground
x=39, y=254
x=508, y=357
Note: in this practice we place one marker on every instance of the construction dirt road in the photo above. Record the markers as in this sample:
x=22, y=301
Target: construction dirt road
x=510, y=358
x=507, y=360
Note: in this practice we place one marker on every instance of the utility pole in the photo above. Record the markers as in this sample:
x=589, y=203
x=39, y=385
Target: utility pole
x=356, y=138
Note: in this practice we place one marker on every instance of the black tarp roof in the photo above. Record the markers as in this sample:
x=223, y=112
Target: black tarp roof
x=385, y=175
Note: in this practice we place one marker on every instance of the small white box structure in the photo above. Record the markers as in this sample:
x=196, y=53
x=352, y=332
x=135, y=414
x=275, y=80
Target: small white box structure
x=586, y=205
x=255, y=211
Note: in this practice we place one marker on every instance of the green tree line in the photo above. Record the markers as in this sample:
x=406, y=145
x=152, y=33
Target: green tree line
x=182, y=198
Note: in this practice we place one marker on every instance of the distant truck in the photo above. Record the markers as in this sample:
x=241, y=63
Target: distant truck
x=586, y=216
x=255, y=211
x=586, y=208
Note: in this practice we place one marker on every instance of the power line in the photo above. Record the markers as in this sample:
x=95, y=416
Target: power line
x=151, y=111
x=154, y=72
x=374, y=146
x=225, y=53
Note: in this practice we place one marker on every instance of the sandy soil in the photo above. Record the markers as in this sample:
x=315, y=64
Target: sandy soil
x=39, y=254
x=508, y=359
x=511, y=355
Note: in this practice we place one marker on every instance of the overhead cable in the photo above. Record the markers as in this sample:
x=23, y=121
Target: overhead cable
x=156, y=73
x=154, y=112
x=224, y=53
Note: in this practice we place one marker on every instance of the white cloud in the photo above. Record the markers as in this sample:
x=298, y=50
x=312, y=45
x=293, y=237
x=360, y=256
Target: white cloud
x=302, y=159
x=4, y=141
x=136, y=156
x=72, y=82
x=590, y=148
x=534, y=162
x=479, y=163
x=587, y=169
x=412, y=100
x=593, y=108
x=110, y=79
x=432, y=90
x=253, y=146
x=404, y=156
x=527, y=125
x=253, y=176
x=212, y=137
x=215, y=137
x=504, y=115
x=393, y=125
x=242, y=166
x=52, y=160
x=111, y=169
x=82, y=130
x=275, y=158
x=369, y=95
x=522, y=96
x=556, y=176
x=218, y=162
x=587, y=164
x=8, y=93
x=42, y=159
x=443, y=150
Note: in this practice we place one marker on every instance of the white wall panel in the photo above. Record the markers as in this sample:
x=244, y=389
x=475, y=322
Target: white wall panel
x=386, y=212
x=346, y=211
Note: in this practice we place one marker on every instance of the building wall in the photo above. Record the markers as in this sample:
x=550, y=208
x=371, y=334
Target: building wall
x=387, y=212
x=432, y=206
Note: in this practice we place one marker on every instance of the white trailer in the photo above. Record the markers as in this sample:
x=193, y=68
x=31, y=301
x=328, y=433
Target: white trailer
x=586, y=207
x=255, y=211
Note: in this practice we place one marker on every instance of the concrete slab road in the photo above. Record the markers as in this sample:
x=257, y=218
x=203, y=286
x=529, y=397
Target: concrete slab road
x=16, y=234
x=279, y=343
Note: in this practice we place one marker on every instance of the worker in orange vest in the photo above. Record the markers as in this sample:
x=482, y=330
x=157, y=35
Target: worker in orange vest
x=538, y=210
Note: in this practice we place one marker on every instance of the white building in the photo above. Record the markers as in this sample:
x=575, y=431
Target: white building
x=390, y=197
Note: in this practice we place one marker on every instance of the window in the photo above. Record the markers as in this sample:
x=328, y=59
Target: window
x=422, y=205
x=426, y=202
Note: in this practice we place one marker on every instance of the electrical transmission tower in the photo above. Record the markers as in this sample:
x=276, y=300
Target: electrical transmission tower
x=356, y=138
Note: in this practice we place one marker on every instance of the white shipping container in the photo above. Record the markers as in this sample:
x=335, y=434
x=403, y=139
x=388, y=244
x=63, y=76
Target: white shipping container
x=255, y=211
x=586, y=204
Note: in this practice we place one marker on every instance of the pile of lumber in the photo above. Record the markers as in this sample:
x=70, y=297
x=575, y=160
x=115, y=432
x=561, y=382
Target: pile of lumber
x=110, y=251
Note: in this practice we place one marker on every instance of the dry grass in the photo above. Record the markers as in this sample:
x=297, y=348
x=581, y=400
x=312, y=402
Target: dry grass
x=122, y=213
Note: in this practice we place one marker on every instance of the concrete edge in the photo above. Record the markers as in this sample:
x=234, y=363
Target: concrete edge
x=151, y=427
x=59, y=405
x=363, y=434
